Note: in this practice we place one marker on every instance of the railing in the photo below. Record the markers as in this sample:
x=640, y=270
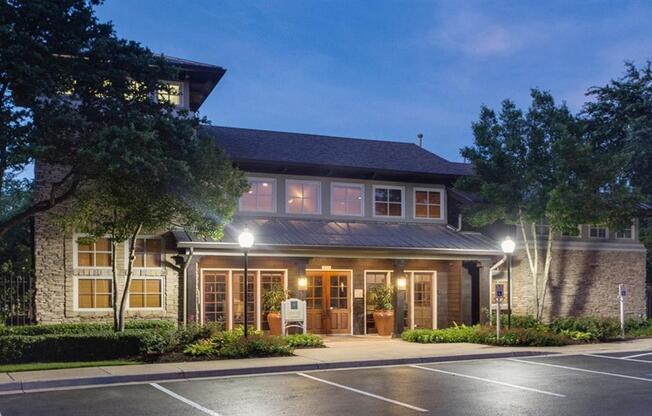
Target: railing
x=16, y=299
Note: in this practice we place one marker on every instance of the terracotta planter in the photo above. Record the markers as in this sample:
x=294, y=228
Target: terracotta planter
x=274, y=321
x=384, y=321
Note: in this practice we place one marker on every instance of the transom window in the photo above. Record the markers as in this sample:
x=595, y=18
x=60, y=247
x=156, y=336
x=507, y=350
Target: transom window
x=597, y=231
x=303, y=197
x=94, y=254
x=347, y=199
x=259, y=197
x=145, y=293
x=172, y=94
x=427, y=203
x=388, y=201
x=94, y=293
x=626, y=234
x=148, y=252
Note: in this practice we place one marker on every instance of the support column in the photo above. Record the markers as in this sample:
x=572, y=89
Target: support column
x=398, y=300
x=193, y=282
x=484, y=289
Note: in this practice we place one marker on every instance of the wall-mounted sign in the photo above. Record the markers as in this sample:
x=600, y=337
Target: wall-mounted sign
x=325, y=267
x=358, y=293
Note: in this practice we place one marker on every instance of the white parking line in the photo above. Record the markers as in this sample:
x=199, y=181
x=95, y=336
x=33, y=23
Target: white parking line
x=183, y=399
x=487, y=380
x=638, y=355
x=365, y=393
x=584, y=370
x=618, y=358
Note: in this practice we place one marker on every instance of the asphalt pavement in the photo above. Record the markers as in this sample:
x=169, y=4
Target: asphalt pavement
x=580, y=384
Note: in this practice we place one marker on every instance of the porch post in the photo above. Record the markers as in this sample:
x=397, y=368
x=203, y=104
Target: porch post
x=192, y=280
x=398, y=300
x=485, y=289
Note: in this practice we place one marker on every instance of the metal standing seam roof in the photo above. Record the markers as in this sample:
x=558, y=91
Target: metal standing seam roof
x=299, y=233
x=341, y=152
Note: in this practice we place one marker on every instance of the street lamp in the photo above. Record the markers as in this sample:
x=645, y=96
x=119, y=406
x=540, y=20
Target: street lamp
x=508, y=247
x=246, y=240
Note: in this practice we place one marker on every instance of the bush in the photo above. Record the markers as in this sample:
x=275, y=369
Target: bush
x=536, y=336
x=600, y=328
x=233, y=344
x=85, y=328
x=304, y=341
x=518, y=321
x=638, y=327
x=460, y=333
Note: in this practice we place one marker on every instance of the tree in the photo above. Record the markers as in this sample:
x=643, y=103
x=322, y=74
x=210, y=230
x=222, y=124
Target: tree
x=68, y=88
x=542, y=167
x=194, y=187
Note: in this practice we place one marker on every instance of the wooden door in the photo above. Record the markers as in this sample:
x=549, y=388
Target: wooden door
x=328, y=302
x=423, y=300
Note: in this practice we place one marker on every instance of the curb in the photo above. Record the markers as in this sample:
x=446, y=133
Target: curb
x=15, y=387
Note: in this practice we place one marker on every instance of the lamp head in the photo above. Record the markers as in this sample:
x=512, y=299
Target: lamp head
x=508, y=245
x=246, y=239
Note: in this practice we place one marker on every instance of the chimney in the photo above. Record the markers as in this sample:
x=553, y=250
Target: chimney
x=420, y=139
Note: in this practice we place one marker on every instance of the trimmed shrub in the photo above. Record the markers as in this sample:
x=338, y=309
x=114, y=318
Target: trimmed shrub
x=461, y=333
x=518, y=321
x=600, y=329
x=85, y=328
x=232, y=344
x=304, y=341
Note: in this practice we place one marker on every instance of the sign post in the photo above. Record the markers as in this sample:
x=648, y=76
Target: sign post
x=499, y=299
x=622, y=293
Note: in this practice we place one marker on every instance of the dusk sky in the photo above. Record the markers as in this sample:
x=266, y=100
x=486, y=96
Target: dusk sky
x=388, y=70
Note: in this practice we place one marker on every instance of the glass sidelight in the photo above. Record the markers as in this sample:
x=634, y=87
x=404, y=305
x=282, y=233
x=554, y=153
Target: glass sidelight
x=267, y=281
x=214, y=297
x=373, y=279
x=238, y=298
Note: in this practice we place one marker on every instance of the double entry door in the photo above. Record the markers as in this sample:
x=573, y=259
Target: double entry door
x=328, y=302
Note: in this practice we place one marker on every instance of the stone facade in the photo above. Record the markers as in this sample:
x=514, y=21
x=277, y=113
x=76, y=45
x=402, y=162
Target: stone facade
x=582, y=282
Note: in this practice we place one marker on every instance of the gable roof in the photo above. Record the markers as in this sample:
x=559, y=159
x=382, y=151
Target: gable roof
x=202, y=78
x=284, y=148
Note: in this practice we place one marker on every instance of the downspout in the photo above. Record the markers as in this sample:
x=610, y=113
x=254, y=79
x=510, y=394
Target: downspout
x=492, y=269
x=459, y=222
x=185, y=286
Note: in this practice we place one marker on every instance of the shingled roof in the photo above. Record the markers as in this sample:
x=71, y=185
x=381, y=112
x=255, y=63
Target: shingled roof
x=300, y=233
x=248, y=145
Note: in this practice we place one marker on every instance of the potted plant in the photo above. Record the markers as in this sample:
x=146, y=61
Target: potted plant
x=272, y=303
x=381, y=299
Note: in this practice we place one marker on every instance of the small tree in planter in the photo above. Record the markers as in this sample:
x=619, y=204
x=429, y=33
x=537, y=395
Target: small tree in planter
x=272, y=303
x=381, y=298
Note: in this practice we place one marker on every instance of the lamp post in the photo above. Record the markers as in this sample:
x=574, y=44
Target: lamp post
x=246, y=240
x=508, y=247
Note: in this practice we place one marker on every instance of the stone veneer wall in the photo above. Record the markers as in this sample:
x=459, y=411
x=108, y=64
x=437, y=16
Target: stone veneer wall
x=582, y=282
x=55, y=273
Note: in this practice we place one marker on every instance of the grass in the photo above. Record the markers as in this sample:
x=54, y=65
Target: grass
x=13, y=368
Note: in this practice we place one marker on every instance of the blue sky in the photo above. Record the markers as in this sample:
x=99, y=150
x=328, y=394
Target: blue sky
x=388, y=69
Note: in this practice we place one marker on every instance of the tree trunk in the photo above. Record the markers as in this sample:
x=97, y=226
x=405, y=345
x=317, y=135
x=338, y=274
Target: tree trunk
x=130, y=268
x=114, y=272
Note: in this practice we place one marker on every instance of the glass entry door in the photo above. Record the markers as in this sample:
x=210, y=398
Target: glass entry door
x=327, y=301
x=422, y=298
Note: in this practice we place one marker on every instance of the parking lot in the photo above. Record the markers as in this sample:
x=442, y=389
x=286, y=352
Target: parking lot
x=605, y=384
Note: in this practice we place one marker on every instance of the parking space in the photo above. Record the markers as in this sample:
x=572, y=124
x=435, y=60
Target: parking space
x=582, y=384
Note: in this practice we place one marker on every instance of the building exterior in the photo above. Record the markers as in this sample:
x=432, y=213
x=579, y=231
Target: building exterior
x=346, y=214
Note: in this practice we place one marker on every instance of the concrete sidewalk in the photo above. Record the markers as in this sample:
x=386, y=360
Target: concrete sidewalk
x=342, y=352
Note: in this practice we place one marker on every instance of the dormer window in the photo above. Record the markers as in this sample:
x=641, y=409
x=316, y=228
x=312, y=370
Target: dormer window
x=260, y=197
x=173, y=93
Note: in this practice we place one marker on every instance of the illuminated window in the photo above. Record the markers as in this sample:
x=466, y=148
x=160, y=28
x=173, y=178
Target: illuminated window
x=94, y=293
x=94, y=254
x=260, y=196
x=146, y=293
x=388, y=201
x=148, y=252
x=428, y=204
x=597, y=231
x=172, y=94
x=303, y=197
x=347, y=199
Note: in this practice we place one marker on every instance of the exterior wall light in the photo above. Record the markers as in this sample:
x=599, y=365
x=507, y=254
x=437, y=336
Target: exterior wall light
x=401, y=283
x=302, y=282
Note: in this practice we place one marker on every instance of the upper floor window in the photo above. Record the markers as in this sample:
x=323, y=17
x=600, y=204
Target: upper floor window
x=626, y=234
x=149, y=252
x=97, y=253
x=173, y=93
x=303, y=197
x=347, y=199
x=428, y=203
x=260, y=196
x=597, y=231
x=388, y=201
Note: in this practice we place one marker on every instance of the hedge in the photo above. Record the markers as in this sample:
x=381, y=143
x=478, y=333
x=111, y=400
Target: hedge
x=537, y=336
x=85, y=328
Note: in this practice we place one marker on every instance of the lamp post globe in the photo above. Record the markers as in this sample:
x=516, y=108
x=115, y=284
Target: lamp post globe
x=508, y=245
x=246, y=241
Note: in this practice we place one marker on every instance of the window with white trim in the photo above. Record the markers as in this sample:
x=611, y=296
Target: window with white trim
x=388, y=201
x=96, y=253
x=94, y=293
x=148, y=252
x=146, y=293
x=260, y=196
x=627, y=233
x=347, y=199
x=428, y=203
x=303, y=197
x=597, y=231
x=173, y=94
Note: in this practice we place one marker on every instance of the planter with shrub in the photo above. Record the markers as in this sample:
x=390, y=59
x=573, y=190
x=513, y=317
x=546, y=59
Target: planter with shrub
x=381, y=299
x=272, y=303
